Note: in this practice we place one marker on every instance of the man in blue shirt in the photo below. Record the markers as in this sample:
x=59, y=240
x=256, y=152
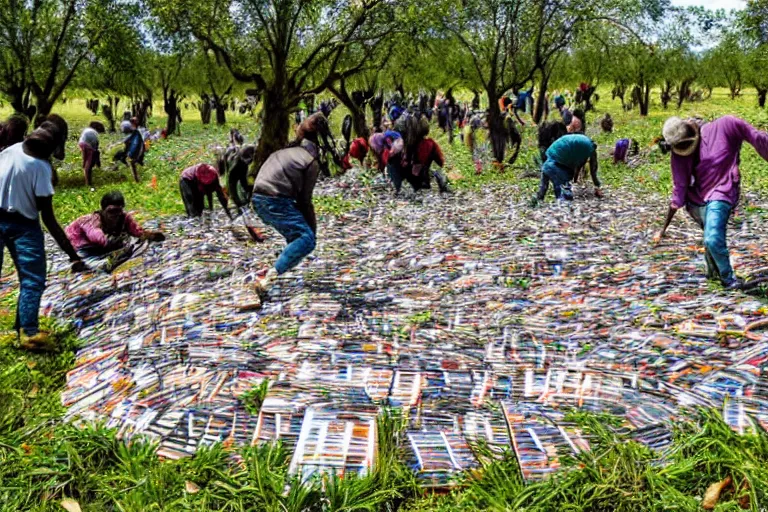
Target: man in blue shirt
x=564, y=158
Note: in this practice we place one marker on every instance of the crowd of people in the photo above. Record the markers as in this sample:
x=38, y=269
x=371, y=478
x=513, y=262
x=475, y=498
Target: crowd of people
x=704, y=163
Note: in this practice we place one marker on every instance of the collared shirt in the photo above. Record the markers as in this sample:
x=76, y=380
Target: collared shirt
x=716, y=177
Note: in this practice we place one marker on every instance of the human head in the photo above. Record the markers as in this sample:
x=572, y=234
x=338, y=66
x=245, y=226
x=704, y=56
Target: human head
x=41, y=144
x=312, y=127
x=550, y=132
x=112, y=204
x=134, y=122
x=575, y=126
x=13, y=131
x=58, y=127
x=98, y=126
x=681, y=135
x=559, y=102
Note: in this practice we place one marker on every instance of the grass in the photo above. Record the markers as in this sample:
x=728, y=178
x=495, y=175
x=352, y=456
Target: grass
x=43, y=460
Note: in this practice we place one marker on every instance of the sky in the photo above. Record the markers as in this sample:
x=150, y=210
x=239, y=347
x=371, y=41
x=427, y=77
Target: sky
x=712, y=4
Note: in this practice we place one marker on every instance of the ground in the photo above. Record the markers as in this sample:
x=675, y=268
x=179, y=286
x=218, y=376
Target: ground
x=466, y=317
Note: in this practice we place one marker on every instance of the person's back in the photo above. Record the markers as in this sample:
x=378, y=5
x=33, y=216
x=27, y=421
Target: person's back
x=287, y=172
x=91, y=137
x=571, y=151
x=22, y=178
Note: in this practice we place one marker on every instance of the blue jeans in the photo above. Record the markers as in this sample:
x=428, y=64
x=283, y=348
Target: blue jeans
x=24, y=240
x=713, y=218
x=282, y=214
x=560, y=178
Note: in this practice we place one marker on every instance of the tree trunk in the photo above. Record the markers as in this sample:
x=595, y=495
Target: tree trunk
x=171, y=107
x=221, y=113
x=542, y=105
x=44, y=108
x=357, y=111
x=684, y=92
x=275, y=126
x=761, y=93
x=204, y=106
x=645, y=101
x=377, y=104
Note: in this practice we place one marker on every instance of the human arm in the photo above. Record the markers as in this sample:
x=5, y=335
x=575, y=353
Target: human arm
x=45, y=207
x=222, y=199
x=758, y=139
x=670, y=215
x=593, y=167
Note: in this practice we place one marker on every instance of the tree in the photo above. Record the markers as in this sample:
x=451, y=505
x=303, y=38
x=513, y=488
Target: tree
x=215, y=84
x=754, y=22
x=43, y=44
x=287, y=49
x=728, y=61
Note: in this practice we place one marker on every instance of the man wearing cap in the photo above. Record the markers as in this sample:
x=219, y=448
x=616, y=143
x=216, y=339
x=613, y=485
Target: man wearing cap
x=282, y=195
x=26, y=195
x=705, y=176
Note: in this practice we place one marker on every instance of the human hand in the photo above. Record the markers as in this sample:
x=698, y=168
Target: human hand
x=156, y=236
x=79, y=266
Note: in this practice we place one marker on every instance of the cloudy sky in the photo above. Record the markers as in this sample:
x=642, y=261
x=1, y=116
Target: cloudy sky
x=712, y=4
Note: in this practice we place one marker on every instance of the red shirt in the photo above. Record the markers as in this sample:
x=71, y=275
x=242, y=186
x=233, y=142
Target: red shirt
x=206, y=177
x=429, y=151
x=358, y=149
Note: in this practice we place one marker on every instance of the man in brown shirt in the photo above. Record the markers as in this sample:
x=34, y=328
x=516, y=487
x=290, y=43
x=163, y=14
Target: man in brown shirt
x=282, y=195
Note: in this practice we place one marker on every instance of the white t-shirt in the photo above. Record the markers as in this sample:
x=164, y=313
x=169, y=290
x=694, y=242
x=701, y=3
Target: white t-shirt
x=90, y=137
x=22, y=179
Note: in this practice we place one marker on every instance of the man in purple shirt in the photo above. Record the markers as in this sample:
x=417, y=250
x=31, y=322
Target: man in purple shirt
x=705, y=176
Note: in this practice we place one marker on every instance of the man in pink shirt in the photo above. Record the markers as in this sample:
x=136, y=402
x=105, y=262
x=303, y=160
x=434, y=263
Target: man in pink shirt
x=106, y=232
x=197, y=183
x=706, y=180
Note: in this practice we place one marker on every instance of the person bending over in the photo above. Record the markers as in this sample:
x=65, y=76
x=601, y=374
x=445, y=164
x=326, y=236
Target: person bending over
x=564, y=158
x=706, y=180
x=282, y=195
x=197, y=183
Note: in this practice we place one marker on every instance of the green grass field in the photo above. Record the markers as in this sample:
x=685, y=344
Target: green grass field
x=44, y=461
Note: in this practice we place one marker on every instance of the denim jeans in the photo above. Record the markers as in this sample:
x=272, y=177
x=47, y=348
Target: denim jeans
x=560, y=178
x=713, y=219
x=282, y=214
x=24, y=240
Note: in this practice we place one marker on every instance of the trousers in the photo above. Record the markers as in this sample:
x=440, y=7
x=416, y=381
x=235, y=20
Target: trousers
x=24, y=239
x=282, y=214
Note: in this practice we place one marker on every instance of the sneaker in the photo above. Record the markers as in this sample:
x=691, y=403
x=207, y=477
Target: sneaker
x=40, y=342
x=734, y=284
x=262, y=286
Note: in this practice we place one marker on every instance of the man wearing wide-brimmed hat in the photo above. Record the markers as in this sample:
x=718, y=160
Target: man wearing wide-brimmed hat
x=705, y=176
